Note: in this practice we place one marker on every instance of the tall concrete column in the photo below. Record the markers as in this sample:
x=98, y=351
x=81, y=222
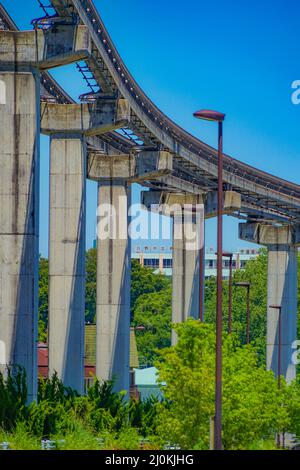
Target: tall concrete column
x=202, y=269
x=67, y=258
x=185, y=273
x=19, y=221
x=282, y=290
x=282, y=245
x=113, y=284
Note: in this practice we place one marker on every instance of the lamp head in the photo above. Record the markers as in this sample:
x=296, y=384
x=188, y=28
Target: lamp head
x=209, y=115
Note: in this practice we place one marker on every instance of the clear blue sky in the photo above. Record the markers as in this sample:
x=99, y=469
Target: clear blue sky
x=238, y=57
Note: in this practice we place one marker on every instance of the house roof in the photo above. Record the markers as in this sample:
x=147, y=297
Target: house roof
x=90, y=347
x=89, y=352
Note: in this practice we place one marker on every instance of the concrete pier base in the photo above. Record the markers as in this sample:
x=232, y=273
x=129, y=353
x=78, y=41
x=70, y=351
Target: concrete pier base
x=67, y=258
x=113, y=284
x=282, y=290
x=186, y=272
x=19, y=224
x=282, y=242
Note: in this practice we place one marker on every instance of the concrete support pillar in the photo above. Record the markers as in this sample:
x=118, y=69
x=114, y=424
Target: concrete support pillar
x=282, y=290
x=19, y=224
x=186, y=272
x=282, y=242
x=113, y=283
x=202, y=270
x=67, y=258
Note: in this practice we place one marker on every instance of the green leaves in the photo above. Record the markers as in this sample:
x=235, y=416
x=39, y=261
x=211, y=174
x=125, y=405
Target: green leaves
x=253, y=407
x=255, y=272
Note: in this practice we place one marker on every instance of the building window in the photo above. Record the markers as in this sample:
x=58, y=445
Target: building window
x=167, y=263
x=209, y=263
x=151, y=262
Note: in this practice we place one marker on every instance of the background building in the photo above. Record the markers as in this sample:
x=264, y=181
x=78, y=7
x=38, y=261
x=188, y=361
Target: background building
x=160, y=260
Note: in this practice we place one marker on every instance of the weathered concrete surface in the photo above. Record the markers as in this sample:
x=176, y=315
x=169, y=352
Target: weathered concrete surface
x=169, y=203
x=282, y=289
x=231, y=203
x=232, y=200
x=151, y=165
x=188, y=258
x=268, y=235
x=67, y=258
x=19, y=224
x=68, y=126
x=44, y=49
x=110, y=166
x=90, y=119
x=151, y=199
x=113, y=289
x=186, y=269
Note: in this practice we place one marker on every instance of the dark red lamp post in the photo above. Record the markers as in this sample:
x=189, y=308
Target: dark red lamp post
x=210, y=115
x=228, y=254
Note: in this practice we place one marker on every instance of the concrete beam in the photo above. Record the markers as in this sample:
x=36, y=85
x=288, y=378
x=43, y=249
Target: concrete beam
x=177, y=199
x=44, y=49
x=151, y=198
x=231, y=203
x=270, y=235
x=158, y=201
x=152, y=165
x=19, y=223
x=105, y=167
x=98, y=118
x=180, y=185
x=134, y=167
x=232, y=200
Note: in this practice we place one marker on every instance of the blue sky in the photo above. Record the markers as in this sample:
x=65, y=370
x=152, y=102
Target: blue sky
x=238, y=57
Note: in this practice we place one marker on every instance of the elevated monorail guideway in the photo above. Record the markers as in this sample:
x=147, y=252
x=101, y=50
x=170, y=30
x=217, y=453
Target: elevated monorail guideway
x=115, y=136
x=194, y=161
x=52, y=92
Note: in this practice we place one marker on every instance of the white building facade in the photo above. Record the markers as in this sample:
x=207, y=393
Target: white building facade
x=159, y=259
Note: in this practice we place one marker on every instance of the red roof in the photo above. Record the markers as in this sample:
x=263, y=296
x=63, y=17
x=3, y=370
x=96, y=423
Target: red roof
x=89, y=371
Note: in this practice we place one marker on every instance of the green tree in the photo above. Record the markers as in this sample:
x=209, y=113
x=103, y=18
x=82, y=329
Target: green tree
x=252, y=405
x=255, y=272
x=151, y=300
x=43, y=299
x=153, y=312
x=91, y=285
x=144, y=281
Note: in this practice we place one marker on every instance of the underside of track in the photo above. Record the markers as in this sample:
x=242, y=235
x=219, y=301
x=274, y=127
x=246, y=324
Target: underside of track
x=264, y=197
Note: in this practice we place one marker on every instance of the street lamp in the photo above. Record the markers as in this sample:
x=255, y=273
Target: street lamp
x=247, y=286
x=210, y=115
x=278, y=307
x=227, y=254
x=201, y=282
